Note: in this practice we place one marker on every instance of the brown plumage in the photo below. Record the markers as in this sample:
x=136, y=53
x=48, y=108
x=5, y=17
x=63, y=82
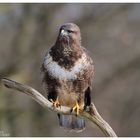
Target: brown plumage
x=67, y=74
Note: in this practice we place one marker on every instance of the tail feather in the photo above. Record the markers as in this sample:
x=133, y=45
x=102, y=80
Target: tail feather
x=71, y=122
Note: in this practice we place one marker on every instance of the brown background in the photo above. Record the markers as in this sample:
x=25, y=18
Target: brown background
x=111, y=32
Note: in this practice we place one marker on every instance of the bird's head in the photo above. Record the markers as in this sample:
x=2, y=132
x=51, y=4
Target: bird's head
x=70, y=33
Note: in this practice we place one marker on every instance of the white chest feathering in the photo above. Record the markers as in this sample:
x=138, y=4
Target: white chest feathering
x=61, y=73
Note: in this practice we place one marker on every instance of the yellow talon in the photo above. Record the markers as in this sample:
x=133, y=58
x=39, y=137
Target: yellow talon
x=76, y=108
x=56, y=102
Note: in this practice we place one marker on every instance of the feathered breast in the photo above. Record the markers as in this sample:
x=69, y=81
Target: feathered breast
x=58, y=72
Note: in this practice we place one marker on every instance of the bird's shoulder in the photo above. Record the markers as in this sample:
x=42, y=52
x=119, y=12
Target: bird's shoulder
x=46, y=57
x=88, y=55
x=88, y=70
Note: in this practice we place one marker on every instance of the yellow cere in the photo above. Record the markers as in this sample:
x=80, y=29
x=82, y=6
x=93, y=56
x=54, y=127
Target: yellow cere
x=62, y=31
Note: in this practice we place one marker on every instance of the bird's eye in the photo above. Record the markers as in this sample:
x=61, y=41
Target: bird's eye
x=69, y=31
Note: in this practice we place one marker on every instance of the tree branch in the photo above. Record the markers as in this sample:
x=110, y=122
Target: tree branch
x=91, y=115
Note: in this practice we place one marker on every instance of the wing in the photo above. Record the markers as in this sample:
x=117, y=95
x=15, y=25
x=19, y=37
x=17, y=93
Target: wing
x=88, y=76
x=43, y=77
x=87, y=72
x=49, y=82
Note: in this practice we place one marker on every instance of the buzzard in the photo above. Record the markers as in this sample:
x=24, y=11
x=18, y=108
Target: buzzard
x=67, y=75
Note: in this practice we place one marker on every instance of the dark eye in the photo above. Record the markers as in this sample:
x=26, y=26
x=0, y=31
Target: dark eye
x=70, y=31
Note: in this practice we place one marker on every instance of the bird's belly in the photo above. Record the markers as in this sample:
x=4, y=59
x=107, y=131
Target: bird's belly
x=66, y=95
x=67, y=99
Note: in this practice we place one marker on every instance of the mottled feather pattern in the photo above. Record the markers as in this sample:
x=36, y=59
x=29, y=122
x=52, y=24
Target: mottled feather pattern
x=61, y=73
x=67, y=74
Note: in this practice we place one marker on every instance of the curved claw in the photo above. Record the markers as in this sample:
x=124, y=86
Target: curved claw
x=55, y=103
x=76, y=108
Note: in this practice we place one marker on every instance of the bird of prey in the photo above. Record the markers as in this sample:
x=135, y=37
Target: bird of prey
x=67, y=75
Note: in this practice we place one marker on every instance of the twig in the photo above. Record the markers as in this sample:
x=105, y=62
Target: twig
x=91, y=115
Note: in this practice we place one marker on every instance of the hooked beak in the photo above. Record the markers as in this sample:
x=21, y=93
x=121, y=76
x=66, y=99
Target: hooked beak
x=63, y=33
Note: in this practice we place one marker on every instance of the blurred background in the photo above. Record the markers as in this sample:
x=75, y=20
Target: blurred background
x=111, y=32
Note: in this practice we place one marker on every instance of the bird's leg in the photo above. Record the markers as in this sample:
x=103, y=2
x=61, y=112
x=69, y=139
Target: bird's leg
x=76, y=108
x=55, y=103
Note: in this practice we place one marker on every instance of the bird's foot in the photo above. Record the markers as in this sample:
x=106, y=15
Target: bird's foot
x=55, y=103
x=76, y=108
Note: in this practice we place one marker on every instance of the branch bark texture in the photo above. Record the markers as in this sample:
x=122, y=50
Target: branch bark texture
x=92, y=114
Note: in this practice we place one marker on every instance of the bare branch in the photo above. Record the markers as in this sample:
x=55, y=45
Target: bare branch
x=91, y=115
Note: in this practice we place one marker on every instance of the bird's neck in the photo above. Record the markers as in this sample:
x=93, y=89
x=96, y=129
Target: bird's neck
x=68, y=49
x=66, y=55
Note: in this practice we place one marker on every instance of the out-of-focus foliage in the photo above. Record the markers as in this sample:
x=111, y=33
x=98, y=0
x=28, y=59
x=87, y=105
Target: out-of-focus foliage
x=111, y=32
